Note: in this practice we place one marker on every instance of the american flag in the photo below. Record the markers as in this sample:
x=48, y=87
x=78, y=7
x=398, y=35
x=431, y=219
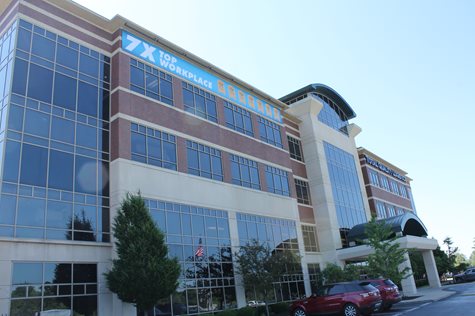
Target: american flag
x=199, y=251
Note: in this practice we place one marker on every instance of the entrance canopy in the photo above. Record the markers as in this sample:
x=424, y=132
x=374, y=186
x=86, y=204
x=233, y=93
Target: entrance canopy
x=401, y=225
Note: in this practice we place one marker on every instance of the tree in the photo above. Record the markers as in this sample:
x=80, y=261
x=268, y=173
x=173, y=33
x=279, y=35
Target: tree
x=451, y=254
x=441, y=261
x=461, y=262
x=260, y=267
x=388, y=255
x=333, y=273
x=142, y=274
x=472, y=259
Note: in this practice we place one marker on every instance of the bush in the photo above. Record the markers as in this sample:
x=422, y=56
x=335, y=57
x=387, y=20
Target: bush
x=246, y=311
x=279, y=308
x=228, y=312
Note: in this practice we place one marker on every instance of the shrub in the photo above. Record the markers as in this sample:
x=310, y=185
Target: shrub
x=279, y=308
x=246, y=311
x=228, y=312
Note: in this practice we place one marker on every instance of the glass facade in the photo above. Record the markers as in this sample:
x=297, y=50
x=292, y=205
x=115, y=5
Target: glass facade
x=279, y=235
x=345, y=187
x=332, y=116
x=153, y=147
x=54, y=287
x=55, y=181
x=200, y=239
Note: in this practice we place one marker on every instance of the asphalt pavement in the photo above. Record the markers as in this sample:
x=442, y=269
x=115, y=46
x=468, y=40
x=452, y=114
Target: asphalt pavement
x=451, y=300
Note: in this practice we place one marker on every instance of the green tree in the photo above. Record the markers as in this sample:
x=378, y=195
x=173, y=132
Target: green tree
x=388, y=255
x=451, y=254
x=333, y=273
x=472, y=259
x=142, y=274
x=441, y=261
x=260, y=266
x=461, y=262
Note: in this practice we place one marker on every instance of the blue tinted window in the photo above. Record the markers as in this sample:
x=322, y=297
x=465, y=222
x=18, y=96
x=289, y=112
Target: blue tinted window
x=332, y=115
x=33, y=165
x=345, y=187
x=67, y=57
x=153, y=147
x=238, y=119
x=27, y=273
x=151, y=82
x=31, y=212
x=85, y=217
x=24, y=40
x=86, y=136
x=19, y=76
x=62, y=130
x=87, y=99
x=277, y=181
x=7, y=209
x=85, y=175
x=15, y=120
x=204, y=161
x=199, y=102
x=89, y=65
x=244, y=172
x=37, y=123
x=59, y=215
x=65, y=91
x=43, y=47
x=104, y=104
x=269, y=132
x=12, y=161
x=61, y=170
x=40, y=83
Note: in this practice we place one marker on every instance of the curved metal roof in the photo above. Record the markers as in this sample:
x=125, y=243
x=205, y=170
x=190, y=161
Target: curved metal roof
x=325, y=90
x=407, y=224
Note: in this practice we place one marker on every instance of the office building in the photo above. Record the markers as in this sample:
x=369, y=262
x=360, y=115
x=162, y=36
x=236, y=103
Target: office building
x=93, y=108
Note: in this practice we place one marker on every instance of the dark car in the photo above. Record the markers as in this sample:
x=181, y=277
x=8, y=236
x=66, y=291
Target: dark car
x=389, y=292
x=468, y=275
x=347, y=298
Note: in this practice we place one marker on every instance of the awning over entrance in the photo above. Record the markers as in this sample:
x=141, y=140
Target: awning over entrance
x=405, y=224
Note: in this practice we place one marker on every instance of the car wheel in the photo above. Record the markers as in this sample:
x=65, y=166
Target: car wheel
x=350, y=310
x=299, y=312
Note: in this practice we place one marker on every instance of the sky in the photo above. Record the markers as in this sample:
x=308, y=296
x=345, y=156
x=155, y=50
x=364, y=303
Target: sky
x=407, y=68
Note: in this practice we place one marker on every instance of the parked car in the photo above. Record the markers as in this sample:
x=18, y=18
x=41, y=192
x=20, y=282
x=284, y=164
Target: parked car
x=256, y=303
x=468, y=275
x=348, y=298
x=389, y=292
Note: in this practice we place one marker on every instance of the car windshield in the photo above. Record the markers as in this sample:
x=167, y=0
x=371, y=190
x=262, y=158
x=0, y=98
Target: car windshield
x=389, y=282
x=368, y=287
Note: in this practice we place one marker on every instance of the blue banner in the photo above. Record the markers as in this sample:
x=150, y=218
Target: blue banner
x=185, y=70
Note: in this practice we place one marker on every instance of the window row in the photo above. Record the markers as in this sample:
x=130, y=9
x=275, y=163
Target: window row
x=385, y=210
x=47, y=47
x=42, y=287
x=28, y=217
x=379, y=180
x=38, y=166
x=160, y=149
x=158, y=85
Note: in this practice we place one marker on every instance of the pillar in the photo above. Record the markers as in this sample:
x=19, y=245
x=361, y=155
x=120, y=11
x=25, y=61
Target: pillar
x=233, y=232
x=431, y=268
x=408, y=284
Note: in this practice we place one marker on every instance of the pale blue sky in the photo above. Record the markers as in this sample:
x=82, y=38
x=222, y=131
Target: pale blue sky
x=407, y=68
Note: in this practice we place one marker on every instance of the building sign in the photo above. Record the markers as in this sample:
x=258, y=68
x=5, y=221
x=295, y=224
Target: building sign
x=383, y=168
x=185, y=70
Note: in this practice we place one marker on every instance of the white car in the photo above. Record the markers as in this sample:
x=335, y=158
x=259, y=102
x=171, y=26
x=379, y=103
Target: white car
x=255, y=303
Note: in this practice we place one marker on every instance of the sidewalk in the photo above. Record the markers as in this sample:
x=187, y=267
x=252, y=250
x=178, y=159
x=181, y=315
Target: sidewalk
x=429, y=294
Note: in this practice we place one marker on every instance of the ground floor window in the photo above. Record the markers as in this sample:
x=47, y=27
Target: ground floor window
x=41, y=286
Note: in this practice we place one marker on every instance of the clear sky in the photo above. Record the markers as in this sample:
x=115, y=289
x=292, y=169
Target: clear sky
x=406, y=67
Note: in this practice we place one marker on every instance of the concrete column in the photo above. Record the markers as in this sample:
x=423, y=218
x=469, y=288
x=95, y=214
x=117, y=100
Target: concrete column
x=431, y=268
x=408, y=284
x=5, y=283
x=233, y=232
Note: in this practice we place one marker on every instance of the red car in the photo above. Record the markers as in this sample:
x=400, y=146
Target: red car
x=389, y=292
x=347, y=298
